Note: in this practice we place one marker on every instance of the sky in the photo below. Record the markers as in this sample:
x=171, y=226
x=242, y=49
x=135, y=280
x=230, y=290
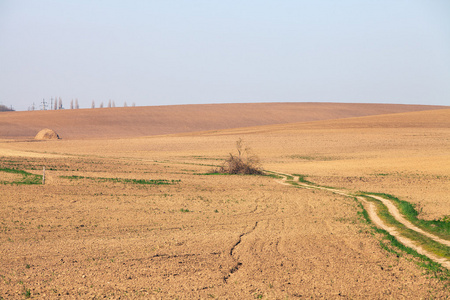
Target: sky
x=189, y=52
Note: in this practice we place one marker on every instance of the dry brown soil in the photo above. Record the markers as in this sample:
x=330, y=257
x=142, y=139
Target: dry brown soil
x=156, y=120
x=218, y=236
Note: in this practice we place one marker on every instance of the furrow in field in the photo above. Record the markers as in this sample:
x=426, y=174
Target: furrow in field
x=238, y=264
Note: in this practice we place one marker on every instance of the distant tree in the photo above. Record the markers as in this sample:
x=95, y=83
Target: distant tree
x=5, y=108
x=60, y=105
x=93, y=104
x=109, y=103
x=71, y=104
x=125, y=104
x=76, y=103
x=113, y=104
x=134, y=104
x=55, y=105
x=101, y=105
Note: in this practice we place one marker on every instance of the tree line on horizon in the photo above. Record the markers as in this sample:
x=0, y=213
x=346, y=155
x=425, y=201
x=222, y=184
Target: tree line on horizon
x=56, y=104
x=6, y=108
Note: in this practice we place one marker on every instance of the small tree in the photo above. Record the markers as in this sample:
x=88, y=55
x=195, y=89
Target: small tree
x=71, y=104
x=76, y=103
x=109, y=103
x=60, y=105
x=93, y=104
x=101, y=105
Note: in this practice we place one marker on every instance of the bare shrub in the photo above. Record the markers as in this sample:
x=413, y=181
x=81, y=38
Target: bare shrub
x=245, y=162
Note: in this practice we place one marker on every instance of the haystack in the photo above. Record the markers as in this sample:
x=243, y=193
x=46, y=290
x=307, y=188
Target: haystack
x=46, y=134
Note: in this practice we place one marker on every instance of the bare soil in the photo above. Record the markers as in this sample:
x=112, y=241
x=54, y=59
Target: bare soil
x=156, y=120
x=97, y=230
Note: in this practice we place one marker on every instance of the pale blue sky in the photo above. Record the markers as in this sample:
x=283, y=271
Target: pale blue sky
x=185, y=52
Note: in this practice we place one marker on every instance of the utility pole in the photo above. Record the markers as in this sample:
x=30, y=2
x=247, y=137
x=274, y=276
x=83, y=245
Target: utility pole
x=44, y=104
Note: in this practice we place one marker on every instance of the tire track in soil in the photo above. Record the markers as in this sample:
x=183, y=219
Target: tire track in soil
x=372, y=211
x=398, y=216
x=238, y=264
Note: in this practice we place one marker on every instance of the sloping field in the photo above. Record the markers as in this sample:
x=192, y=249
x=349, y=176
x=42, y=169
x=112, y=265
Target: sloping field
x=154, y=120
x=141, y=217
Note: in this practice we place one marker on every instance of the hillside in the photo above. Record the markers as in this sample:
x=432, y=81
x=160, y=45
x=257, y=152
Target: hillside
x=155, y=120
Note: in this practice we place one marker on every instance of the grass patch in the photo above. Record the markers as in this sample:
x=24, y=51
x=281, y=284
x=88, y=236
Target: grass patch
x=27, y=178
x=301, y=178
x=213, y=173
x=125, y=180
x=311, y=157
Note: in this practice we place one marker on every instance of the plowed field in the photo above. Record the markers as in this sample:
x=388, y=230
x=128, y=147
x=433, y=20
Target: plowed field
x=142, y=217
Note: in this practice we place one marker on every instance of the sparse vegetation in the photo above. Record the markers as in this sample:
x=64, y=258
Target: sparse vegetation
x=27, y=178
x=124, y=180
x=27, y=293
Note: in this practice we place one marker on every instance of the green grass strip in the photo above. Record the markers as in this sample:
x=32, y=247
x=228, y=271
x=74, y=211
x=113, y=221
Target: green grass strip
x=424, y=241
x=27, y=178
x=425, y=262
x=439, y=227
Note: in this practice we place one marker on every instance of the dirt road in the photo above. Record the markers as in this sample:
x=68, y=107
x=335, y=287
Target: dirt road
x=372, y=211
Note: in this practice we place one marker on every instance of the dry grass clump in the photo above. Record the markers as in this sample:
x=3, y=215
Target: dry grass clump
x=243, y=163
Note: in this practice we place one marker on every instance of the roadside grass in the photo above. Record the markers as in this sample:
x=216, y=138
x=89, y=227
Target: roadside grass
x=427, y=243
x=440, y=227
x=390, y=243
x=27, y=178
x=265, y=173
x=301, y=178
x=124, y=180
x=275, y=175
